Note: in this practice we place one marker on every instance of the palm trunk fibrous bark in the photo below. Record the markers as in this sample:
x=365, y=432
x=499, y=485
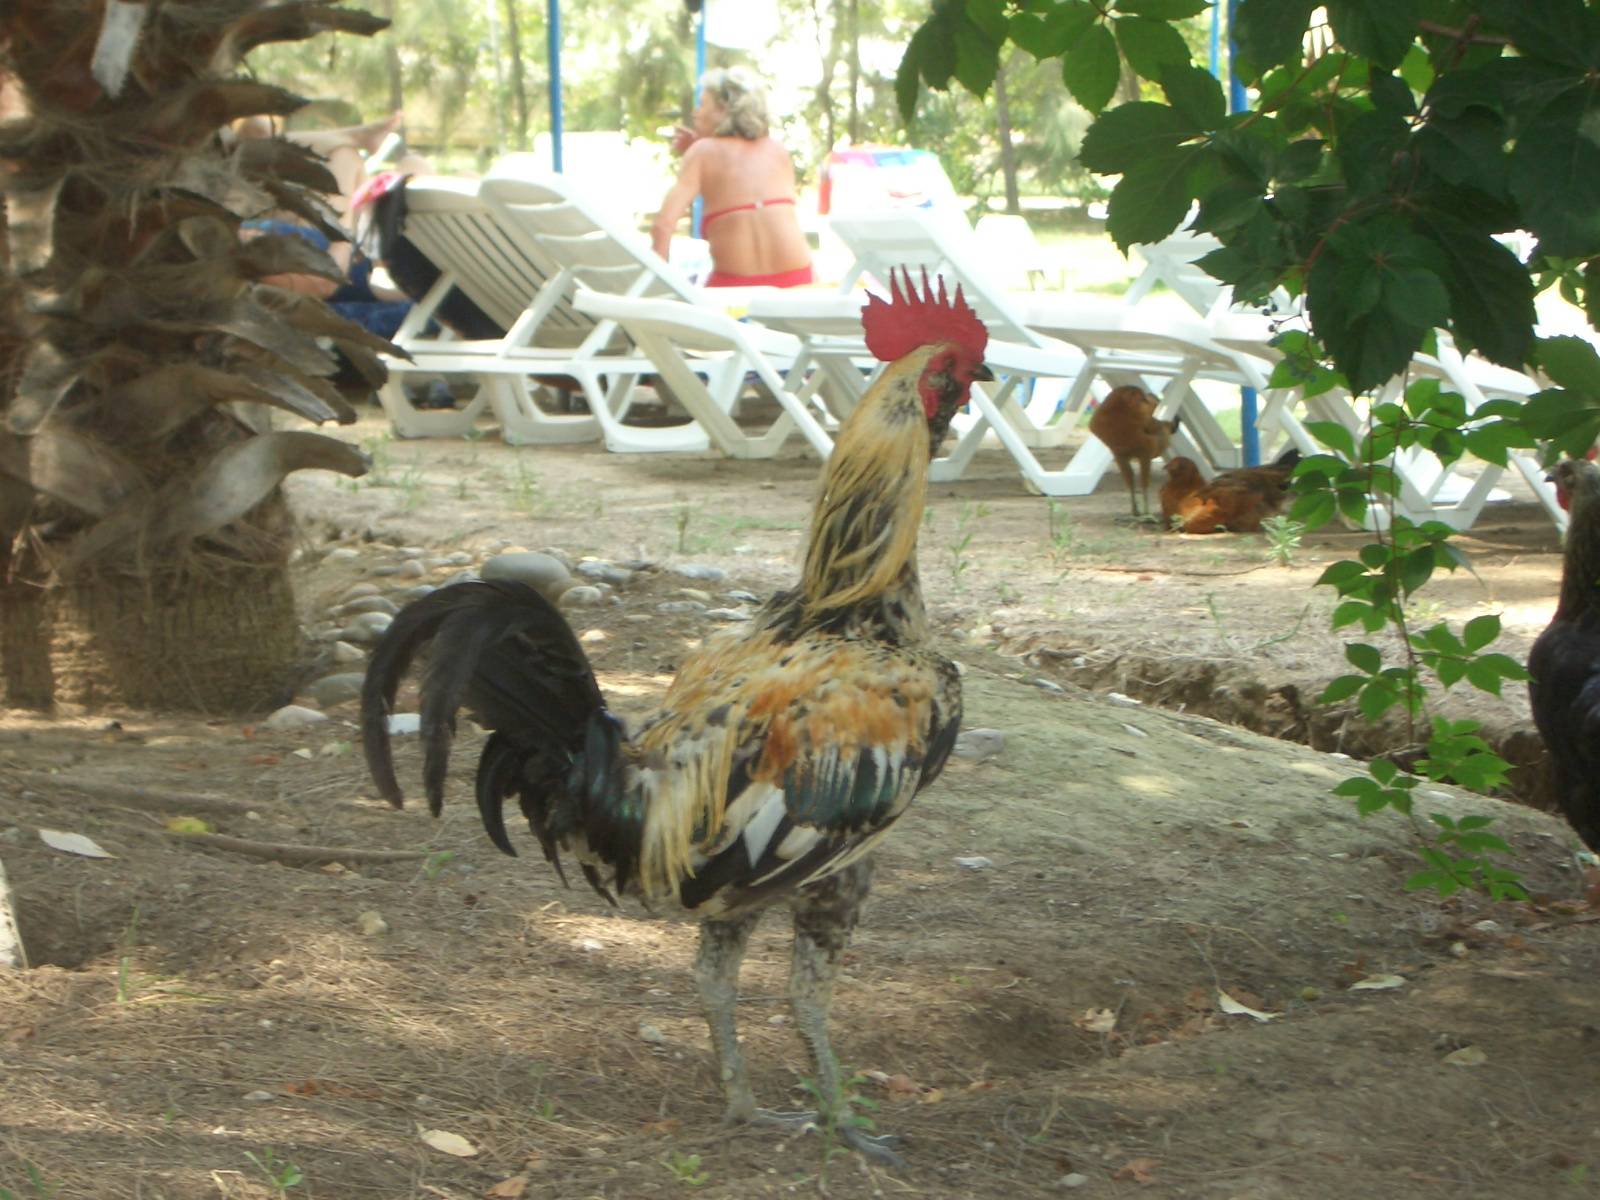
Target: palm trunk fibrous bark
x=140, y=342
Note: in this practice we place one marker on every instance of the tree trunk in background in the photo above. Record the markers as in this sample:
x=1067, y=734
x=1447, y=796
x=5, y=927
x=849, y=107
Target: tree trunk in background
x=855, y=71
x=1008, y=152
x=397, y=90
x=830, y=60
x=519, y=76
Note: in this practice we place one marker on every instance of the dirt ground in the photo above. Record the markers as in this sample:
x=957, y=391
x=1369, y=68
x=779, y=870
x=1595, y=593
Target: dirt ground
x=199, y=1021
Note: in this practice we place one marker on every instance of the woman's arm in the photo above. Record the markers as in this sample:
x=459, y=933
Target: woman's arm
x=678, y=199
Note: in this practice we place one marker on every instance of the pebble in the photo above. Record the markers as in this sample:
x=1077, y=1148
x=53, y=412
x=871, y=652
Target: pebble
x=343, y=554
x=1074, y=1180
x=693, y=594
x=649, y=1033
x=1048, y=685
x=700, y=571
x=344, y=652
x=401, y=724
x=594, y=568
x=294, y=716
x=412, y=568
x=368, y=604
x=383, y=571
x=411, y=551
x=336, y=689
x=979, y=744
x=1134, y=730
x=372, y=924
x=360, y=590
x=258, y=1096
x=367, y=627
x=680, y=606
x=1124, y=701
x=532, y=567
x=582, y=596
x=743, y=597
x=728, y=614
x=973, y=862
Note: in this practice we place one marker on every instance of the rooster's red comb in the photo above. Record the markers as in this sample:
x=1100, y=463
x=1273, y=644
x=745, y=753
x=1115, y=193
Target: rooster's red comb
x=896, y=327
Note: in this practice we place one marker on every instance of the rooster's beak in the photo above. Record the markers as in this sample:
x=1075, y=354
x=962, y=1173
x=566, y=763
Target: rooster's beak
x=983, y=374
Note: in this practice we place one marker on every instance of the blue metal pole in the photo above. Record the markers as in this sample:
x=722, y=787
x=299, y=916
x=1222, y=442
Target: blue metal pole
x=699, y=75
x=1249, y=435
x=553, y=29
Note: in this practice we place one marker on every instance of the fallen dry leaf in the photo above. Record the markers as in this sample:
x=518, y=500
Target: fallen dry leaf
x=448, y=1143
x=932, y=1096
x=1097, y=1020
x=1467, y=1056
x=1139, y=1170
x=508, y=1189
x=668, y=1125
x=73, y=843
x=901, y=1085
x=1234, y=1009
x=1378, y=983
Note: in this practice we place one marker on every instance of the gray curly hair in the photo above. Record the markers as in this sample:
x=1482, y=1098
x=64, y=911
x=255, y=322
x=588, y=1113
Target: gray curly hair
x=742, y=99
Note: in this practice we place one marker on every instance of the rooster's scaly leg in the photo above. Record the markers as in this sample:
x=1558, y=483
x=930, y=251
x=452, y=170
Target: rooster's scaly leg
x=824, y=917
x=716, y=971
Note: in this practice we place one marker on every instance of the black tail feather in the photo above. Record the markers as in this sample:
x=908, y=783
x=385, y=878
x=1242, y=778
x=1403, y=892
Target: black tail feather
x=505, y=652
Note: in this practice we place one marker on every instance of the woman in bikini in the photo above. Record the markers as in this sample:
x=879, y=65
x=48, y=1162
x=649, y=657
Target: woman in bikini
x=746, y=179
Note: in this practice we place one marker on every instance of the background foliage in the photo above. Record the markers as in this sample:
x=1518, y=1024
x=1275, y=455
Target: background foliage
x=472, y=79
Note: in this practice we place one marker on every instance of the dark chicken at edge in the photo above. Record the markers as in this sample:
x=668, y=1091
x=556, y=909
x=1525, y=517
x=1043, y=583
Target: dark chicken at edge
x=1565, y=660
x=783, y=750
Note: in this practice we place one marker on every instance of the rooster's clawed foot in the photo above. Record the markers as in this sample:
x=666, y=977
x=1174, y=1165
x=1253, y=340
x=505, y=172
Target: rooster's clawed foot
x=880, y=1149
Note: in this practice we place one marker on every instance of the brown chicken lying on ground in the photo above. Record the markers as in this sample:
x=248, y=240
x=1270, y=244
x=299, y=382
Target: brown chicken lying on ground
x=1126, y=422
x=1236, y=501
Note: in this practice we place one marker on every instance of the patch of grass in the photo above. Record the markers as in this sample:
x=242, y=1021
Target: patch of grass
x=685, y=1168
x=280, y=1173
x=40, y=1189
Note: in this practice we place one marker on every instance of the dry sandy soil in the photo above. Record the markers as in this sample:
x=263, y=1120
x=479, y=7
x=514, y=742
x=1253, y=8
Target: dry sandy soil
x=1050, y=1023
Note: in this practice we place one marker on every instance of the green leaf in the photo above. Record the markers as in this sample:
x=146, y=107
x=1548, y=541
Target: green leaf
x=1314, y=509
x=1555, y=177
x=1558, y=30
x=1090, y=69
x=1164, y=10
x=1052, y=34
x=1151, y=199
x=1340, y=573
x=1150, y=46
x=1363, y=657
x=1468, y=149
x=977, y=58
x=1341, y=688
x=935, y=44
x=1381, y=30
x=907, y=80
x=1480, y=631
x=1269, y=32
x=1491, y=293
x=1194, y=94
x=1350, y=612
x=1334, y=435
x=1377, y=698
x=1416, y=570
x=989, y=16
x=1570, y=362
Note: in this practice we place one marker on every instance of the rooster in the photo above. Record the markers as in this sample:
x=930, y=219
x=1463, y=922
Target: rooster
x=782, y=752
x=1565, y=660
x=1126, y=422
